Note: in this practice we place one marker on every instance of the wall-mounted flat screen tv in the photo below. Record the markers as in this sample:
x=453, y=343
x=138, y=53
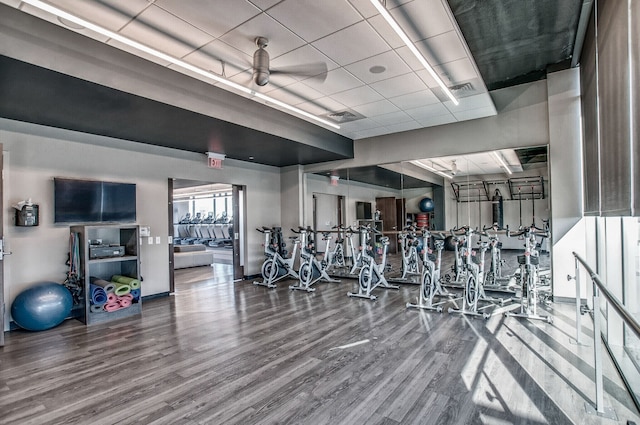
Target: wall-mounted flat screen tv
x=90, y=201
x=363, y=211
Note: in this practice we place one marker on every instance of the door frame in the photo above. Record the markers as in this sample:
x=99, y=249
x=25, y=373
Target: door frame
x=2, y=307
x=239, y=211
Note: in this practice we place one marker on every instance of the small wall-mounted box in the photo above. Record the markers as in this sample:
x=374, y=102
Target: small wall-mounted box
x=28, y=216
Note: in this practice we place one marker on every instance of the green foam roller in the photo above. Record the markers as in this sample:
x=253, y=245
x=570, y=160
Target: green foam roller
x=132, y=282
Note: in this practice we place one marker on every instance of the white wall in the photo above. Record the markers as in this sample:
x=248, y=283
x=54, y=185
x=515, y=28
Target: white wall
x=565, y=165
x=33, y=155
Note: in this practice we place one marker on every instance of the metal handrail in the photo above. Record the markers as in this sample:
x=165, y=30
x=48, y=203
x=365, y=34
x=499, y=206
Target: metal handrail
x=600, y=287
x=615, y=303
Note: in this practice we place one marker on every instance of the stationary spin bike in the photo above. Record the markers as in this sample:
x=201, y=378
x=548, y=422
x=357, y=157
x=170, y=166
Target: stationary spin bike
x=529, y=277
x=371, y=274
x=430, y=279
x=356, y=257
x=336, y=256
x=474, y=284
x=458, y=269
x=409, y=251
x=311, y=270
x=276, y=266
x=494, y=278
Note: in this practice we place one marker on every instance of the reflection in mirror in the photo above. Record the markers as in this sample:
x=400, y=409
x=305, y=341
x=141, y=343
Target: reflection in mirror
x=508, y=187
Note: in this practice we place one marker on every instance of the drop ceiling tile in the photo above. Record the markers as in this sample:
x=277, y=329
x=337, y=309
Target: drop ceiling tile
x=167, y=33
x=211, y=57
x=357, y=96
x=439, y=120
x=433, y=19
x=214, y=17
x=321, y=106
x=312, y=19
x=277, y=81
x=443, y=48
x=392, y=63
x=386, y=32
x=290, y=95
x=281, y=40
x=337, y=80
x=472, y=102
x=427, y=111
x=392, y=118
x=265, y=4
x=373, y=109
x=372, y=132
x=404, y=126
x=303, y=63
x=359, y=125
x=364, y=7
x=457, y=71
x=352, y=44
x=475, y=113
x=136, y=52
x=415, y=100
x=397, y=86
x=46, y=16
x=110, y=14
x=306, y=54
x=406, y=55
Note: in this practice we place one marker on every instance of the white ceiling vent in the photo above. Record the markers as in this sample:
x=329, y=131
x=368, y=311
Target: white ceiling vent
x=462, y=89
x=346, y=115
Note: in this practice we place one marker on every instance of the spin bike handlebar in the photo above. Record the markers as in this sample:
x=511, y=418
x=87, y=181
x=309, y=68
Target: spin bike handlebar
x=530, y=230
x=265, y=229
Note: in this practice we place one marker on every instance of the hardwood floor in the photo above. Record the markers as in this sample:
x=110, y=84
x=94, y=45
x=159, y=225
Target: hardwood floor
x=219, y=352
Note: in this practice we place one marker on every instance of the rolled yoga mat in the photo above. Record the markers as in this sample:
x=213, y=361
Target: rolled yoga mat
x=98, y=295
x=96, y=308
x=124, y=302
x=107, y=286
x=133, y=283
x=112, y=298
x=122, y=289
x=112, y=307
x=135, y=293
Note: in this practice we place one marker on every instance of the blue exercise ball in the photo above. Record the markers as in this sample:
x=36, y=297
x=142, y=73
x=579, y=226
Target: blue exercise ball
x=426, y=205
x=42, y=306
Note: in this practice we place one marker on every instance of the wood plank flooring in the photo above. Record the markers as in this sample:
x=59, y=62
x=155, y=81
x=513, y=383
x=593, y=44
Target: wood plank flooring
x=219, y=352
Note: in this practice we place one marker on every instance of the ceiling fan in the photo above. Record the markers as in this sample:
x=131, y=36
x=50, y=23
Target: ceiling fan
x=261, y=70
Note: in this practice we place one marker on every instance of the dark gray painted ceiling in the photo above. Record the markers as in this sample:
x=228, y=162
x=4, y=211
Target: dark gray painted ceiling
x=378, y=176
x=37, y=95
x=515, y=41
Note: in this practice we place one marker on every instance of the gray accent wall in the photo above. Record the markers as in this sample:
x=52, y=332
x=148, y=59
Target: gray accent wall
x=34, y=155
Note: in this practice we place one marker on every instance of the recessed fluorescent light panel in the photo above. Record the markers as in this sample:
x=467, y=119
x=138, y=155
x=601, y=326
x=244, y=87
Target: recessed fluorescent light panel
x=501, y=161
x=175, y=61
x=433, y=170
x=394, y=25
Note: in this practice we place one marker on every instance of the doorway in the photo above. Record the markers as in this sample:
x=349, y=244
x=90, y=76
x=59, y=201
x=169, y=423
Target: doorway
x=206, y=222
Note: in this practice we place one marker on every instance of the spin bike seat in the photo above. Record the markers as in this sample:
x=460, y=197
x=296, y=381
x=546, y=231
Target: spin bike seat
x=522, y=259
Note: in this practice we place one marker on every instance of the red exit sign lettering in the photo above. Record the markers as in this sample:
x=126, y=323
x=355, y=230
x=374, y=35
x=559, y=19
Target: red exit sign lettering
x=215, y=163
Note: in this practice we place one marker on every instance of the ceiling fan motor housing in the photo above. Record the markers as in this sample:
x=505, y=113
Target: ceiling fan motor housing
x=261, y=63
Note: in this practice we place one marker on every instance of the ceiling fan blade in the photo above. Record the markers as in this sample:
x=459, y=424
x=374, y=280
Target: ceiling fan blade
x=316, y=70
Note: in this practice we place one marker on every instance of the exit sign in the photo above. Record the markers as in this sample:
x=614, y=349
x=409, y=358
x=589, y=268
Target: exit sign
x=215, y=163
